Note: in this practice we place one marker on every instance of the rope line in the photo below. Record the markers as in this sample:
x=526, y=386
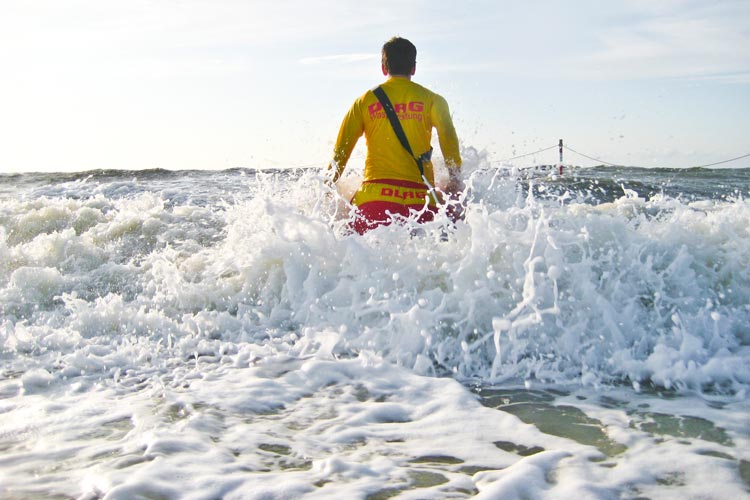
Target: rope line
x=592, y=158
x=720, y=162
x=525, y=155
x=683, y=168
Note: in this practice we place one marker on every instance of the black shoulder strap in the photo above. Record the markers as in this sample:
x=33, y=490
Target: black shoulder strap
x=398, y=129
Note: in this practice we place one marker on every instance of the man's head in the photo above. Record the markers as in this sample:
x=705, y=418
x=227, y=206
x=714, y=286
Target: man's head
x=399, y=57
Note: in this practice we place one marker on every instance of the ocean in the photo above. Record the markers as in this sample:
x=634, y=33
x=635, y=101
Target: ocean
x=221, y=334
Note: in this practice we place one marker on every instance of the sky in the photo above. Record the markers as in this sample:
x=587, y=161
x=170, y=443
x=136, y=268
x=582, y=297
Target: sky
x=214, y=84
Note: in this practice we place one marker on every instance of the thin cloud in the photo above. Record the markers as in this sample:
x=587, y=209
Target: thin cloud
x=339, y=58
x=732, y=79
x=702, y=41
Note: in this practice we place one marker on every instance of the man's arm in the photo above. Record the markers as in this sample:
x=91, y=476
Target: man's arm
x=448, y=139
x=352, y=128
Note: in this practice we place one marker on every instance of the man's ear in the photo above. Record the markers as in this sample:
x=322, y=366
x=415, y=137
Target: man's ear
x=414, y=69
x=384, y=69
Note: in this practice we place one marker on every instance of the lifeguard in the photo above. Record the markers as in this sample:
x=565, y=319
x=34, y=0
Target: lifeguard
x=397, y=181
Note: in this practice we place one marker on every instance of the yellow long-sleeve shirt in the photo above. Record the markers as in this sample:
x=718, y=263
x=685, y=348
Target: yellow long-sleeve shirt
x=418, y=110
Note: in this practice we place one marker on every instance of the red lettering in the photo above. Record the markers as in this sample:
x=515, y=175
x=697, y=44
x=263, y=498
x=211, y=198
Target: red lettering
x=405, y=195
x=416, y=106
x=376, y=109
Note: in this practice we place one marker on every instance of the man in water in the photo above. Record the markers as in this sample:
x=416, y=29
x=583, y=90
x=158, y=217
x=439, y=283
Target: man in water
x=394, y=183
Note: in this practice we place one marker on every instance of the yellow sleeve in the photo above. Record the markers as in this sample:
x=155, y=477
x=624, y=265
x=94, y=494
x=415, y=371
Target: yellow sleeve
x=441, y=118
x=352, y=128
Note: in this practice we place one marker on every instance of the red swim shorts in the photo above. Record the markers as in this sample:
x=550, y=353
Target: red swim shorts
x=378, y=200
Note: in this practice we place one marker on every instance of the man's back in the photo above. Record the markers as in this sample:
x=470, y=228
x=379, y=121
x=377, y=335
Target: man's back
x=418, y=110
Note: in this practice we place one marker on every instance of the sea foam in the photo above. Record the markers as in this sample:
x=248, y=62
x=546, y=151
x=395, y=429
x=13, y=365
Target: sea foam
x=228, y=336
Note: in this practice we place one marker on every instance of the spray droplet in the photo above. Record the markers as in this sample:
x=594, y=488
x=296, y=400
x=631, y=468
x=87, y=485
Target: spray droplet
x=554, y=273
